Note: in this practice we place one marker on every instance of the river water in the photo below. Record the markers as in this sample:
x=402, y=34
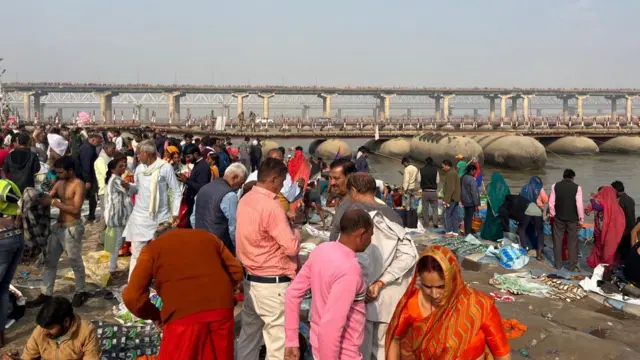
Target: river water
x=591, y=171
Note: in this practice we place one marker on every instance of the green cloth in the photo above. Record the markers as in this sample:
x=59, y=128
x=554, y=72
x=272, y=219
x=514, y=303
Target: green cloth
x=461, y=166
x=497, y=191
x=110, y=240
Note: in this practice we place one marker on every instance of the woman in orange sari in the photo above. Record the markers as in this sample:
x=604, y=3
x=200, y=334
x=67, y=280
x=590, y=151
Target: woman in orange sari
x=441, y=318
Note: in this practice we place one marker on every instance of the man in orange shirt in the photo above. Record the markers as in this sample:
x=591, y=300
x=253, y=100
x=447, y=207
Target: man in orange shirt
x=195, y=276
x=267, y=247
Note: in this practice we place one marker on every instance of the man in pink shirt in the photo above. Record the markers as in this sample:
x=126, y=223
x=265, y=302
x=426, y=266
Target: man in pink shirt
x=566, y=207
x=335, y=279
x=268, y=248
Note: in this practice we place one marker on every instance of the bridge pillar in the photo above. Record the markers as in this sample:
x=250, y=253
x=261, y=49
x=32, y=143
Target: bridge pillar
x=37, y=106
x=146, y=115
x=437, y=99
x=339, y=114
x=326, y=104
x=579, y=100
x=174, y=105
x=492, y=106
x=445, y=107
x=27, y=105
x=385, y=105
x=565, y=106
x=525, y=106
x=503, y=105
x=538, y=112
x=59, y=113
x=305, y=112
x=226, y=111
x=240, y=102
x=138, y=114
x=629, y=109
x=614, y=105
x=106, y=105
x=409, y=114
x=514, y=108
x=265, y=103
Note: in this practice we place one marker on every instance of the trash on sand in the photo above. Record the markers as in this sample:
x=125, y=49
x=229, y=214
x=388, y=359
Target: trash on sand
x=499, y=297
x=524, y=353
x=514, y=328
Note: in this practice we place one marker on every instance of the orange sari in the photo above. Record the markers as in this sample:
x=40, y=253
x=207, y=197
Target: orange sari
x=462, y=328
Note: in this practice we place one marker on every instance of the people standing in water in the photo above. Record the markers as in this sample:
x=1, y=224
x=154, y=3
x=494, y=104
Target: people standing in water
x=497, y=191
x=609, y=226
x=440, y=317
x=534, y=193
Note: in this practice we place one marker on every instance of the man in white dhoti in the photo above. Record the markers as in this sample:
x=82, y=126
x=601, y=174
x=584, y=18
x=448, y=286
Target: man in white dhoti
x=152, y=180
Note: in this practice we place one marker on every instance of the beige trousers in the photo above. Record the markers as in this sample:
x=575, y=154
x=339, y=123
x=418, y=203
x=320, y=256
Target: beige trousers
x=372, y=347
x=262, y=318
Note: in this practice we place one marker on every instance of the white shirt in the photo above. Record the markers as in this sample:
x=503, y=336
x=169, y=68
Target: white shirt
x=141, y=227
x=118, y=141
x=289, y=189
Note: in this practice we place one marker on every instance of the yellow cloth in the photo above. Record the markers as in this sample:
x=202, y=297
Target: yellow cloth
x=100, y=167
x=284, y=202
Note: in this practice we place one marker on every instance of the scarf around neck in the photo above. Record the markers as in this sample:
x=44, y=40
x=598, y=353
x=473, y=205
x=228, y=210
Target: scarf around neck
x=153, y=170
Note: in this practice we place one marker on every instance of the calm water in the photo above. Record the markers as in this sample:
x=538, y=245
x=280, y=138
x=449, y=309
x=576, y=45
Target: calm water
x=591, y=171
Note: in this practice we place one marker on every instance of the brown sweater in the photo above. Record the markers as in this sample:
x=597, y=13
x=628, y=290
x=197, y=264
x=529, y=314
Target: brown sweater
x=191, y=270
x=451, y=187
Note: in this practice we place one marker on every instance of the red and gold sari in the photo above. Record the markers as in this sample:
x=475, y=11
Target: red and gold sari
x=462, y=328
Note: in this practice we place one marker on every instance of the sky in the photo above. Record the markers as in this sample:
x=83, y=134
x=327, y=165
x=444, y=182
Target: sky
x=541, y=43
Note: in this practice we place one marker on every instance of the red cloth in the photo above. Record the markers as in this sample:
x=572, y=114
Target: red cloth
x=295, y=163
x=207, y=335
x=612, y=228
x=3, y=156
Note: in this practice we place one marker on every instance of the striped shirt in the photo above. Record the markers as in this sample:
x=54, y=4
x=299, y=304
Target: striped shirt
x=265, y=243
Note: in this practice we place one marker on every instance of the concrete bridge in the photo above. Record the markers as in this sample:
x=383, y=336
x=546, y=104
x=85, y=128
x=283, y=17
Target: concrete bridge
x=384, y=95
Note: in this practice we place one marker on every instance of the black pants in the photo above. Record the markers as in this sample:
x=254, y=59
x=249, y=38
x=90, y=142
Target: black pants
x=559, y=229
x=469, y=211
x=92, y=196
x=538, y=223
x=255, y=164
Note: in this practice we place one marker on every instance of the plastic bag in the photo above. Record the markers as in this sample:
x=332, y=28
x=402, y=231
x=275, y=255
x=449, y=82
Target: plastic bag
x=513, y=257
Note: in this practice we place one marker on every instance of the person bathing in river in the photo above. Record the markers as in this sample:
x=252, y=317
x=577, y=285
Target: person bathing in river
x=609, y=224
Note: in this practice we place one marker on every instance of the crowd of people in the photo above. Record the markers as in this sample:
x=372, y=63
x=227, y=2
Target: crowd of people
x=209, y=224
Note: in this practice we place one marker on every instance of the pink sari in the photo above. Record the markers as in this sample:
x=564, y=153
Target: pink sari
x=609, y=226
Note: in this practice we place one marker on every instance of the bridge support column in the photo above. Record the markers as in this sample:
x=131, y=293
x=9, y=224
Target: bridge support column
x=503, y=105
x=514, y=108
x=174, y=105
x=326, y=104
x=305, y=112
x=614, y=106
x=438, y=111
x=339, y=114
x=59, y=113
x=106, y=105
x=409, y=114
x=525, y=106
x=37, y=107
x=538, y=112
x=492, y=107
x=445, y=107
x=385, y=105
x=629, y=109
x=265, y=103
x=27, y=106
x=476, y=112
x=240, y=102
x=146, y=115
x=579, y=100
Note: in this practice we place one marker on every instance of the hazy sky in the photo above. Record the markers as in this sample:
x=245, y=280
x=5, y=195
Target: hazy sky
x=539, y=43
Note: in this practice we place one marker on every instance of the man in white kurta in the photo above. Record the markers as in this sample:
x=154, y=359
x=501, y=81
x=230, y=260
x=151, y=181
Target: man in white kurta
x=153, y=179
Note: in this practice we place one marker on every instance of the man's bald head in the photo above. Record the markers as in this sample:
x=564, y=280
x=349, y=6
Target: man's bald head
x=275, y=154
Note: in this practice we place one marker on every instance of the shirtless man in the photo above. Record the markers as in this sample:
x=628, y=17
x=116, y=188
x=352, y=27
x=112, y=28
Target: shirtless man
x=67, y=234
